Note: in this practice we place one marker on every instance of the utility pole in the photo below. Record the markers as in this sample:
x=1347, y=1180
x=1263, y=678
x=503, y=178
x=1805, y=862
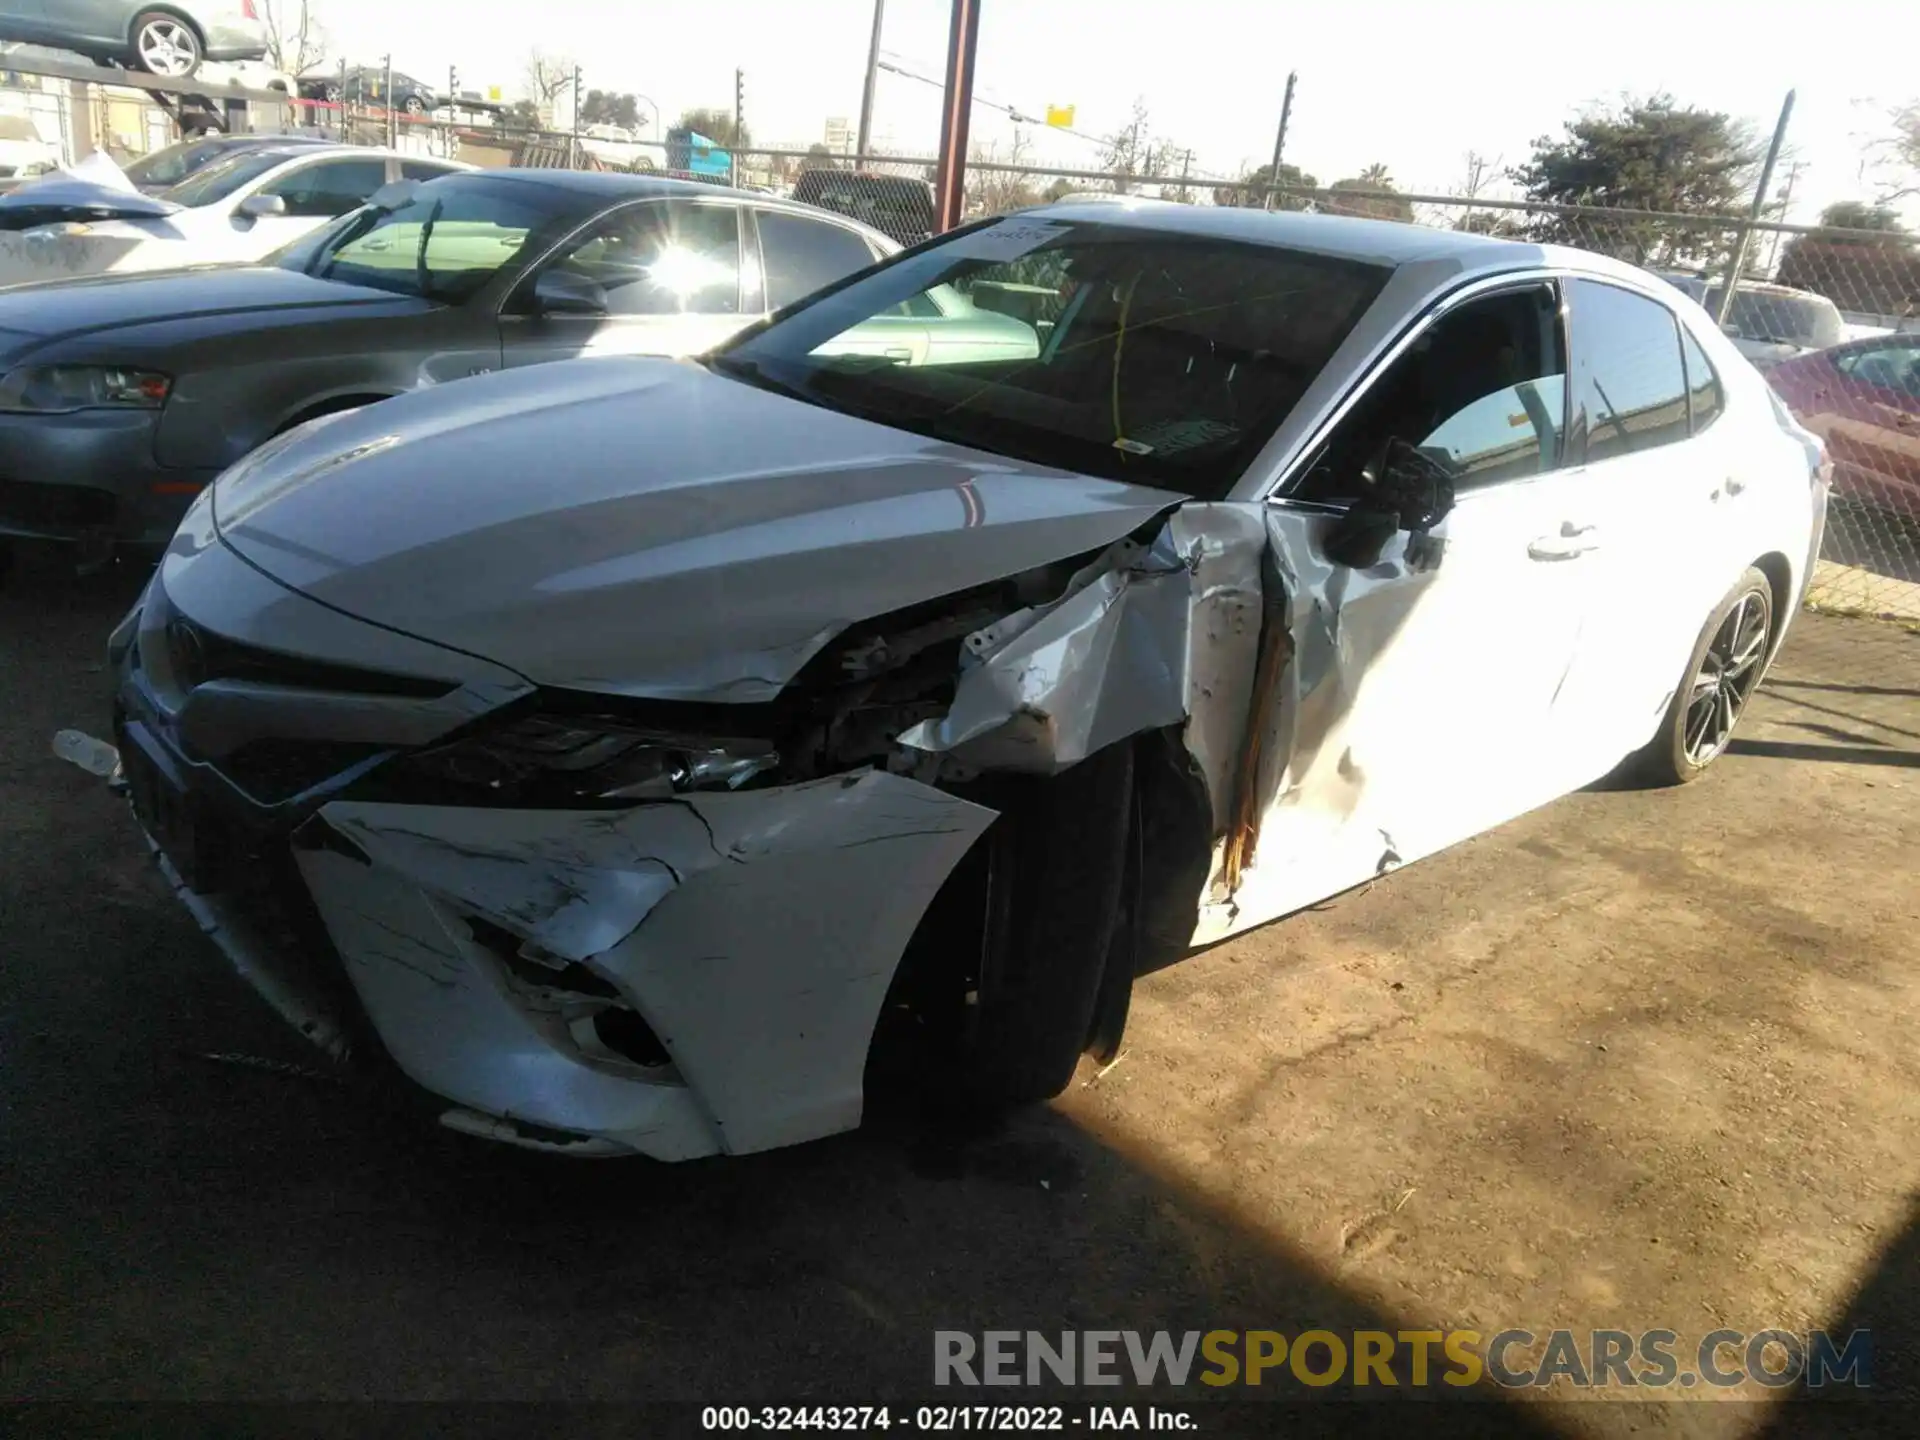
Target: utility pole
x=739, y=120
x=866, y=92
x=1280, y=140
x=453, y=107
x=573, y=140
x=386, y=94
x=1737, y=263
x=956, y=107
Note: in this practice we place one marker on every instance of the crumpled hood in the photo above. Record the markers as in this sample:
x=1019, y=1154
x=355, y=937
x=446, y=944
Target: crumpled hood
x=644, y=527
x=86, y=187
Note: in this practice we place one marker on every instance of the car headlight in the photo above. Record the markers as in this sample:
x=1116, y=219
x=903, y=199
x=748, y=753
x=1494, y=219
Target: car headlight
x=61, y=389
x=547, y=760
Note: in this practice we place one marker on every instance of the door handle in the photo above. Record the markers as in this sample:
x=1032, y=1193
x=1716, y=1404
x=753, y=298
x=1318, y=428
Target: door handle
x=899, y=352
x=1571, y=543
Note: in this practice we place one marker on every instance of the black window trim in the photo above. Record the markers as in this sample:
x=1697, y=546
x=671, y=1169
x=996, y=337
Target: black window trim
x=530, y=272
x=1686, y=370
x=1295, y=471
x=1571, y=323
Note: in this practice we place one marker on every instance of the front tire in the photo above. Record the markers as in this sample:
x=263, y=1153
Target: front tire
x=1722, y=673
x=164, y=44
x=415, y=105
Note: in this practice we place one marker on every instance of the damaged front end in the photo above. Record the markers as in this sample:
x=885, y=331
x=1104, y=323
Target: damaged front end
x=601, y=924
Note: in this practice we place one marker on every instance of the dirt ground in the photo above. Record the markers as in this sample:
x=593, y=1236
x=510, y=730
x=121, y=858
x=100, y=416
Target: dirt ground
x=1636, y=1060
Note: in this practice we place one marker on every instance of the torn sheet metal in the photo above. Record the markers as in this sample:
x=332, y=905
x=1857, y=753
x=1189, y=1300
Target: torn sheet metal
x=756, y=933
x=1143, y=638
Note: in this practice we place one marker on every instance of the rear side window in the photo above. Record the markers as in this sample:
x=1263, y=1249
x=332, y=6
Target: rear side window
x=1704, y=399
x=330, y=188
x=801, y=255
x=1629, y=384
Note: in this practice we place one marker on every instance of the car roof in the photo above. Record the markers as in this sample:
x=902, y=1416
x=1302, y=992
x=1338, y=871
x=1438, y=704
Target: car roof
x=597, y=188
x=1387, y=240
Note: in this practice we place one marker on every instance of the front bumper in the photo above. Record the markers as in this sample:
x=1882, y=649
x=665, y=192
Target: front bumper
x=748, y=939
x=90, y=475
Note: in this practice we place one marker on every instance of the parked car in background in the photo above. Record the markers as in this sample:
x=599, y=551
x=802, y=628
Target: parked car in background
x=130, y=393
x=667, y=758
x=162, y=169
x=234, y=210
x=895, y=205
x=370, y=86
x=171, y=38
x=1863, y=399
x=23, y=153
x=1769, y=323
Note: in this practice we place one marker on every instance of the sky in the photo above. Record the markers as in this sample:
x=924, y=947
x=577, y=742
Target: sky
x=1414, y=86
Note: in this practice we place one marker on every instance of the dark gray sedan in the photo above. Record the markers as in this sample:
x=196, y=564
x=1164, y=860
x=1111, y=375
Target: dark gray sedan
x=122, y=397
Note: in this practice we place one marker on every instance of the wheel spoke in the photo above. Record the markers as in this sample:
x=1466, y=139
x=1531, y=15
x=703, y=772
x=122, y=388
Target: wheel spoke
x=1697, y=734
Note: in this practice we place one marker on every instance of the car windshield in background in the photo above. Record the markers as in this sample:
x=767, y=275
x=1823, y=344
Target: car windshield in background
x=220, y=179
x=173, y=164
x=444, y=242
x=1809, y=321
x=1128, y=353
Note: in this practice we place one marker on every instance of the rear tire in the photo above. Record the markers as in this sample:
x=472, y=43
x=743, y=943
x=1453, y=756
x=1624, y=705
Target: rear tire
x=1723, y=671
x=165, y=44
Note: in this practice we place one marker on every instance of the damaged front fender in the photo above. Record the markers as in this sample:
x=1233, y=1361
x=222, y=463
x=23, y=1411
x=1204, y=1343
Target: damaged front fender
x=1145, y=637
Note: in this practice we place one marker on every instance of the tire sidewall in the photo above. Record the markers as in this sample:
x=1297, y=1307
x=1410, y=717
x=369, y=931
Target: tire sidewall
x=1674, y=732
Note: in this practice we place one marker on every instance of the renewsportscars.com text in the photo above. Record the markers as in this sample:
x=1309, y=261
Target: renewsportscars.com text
x=1613, y=1359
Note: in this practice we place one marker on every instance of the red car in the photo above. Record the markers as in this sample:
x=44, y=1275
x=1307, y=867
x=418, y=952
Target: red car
x=1863, y=399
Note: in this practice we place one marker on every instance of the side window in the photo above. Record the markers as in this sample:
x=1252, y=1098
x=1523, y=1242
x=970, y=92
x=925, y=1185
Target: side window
x=1483, y=391
x=801, y=255
x=328, y=188
x=423, y=170
x=1704, y=398
x=669, y=257
x=1629, y=387
x=1894, y=367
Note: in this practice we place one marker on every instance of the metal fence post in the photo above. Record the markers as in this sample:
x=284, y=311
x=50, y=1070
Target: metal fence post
x=1737, y=263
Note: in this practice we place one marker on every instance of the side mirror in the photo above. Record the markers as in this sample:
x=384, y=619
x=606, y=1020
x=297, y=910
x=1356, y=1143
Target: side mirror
x=560, y=292
x=1404, y=489
x=259, y=207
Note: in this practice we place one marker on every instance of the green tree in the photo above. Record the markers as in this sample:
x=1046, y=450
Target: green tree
x=819, y=157
x=716, y=125
x=1862, y=258
x=1647, y=154
x=1251, y=192
x=520, y=115
x=1376, y=202
x=609, y=107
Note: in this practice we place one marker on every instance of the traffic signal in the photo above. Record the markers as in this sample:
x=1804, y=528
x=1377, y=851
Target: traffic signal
x=453, y=83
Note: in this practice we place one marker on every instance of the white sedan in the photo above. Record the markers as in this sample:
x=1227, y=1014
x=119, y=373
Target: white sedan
x=237, y=210
x=667, y=757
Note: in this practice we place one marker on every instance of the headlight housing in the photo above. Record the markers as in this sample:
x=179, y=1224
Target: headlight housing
x=62, y=389
x=545, y=760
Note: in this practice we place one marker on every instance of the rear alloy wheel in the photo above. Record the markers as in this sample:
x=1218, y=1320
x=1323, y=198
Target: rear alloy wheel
x=165, y=44
x=333, y=94
x=1722, y=674
x=415, y=105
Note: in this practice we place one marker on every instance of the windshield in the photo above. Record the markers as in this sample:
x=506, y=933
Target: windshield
x=444, y=242
x=1805, y=320
x=173, y=164
x=215, y=182
x=1134, y=354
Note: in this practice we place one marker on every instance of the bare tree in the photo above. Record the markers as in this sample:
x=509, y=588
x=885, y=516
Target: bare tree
x=296, y=40
x=548, y=78
x=998, y=191
x=1902, y=150
x=1130, y=154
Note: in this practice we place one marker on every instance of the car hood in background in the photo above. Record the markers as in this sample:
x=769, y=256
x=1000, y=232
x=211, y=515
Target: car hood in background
x=645, y=527
x=103, y=302
x=85, y=191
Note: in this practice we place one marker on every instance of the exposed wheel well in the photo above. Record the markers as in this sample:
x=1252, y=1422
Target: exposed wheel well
x=1779, y=575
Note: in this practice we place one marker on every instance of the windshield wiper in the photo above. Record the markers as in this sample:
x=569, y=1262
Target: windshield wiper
x=423, y=277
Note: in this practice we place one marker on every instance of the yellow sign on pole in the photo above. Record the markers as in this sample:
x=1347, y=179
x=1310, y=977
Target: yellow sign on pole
x=1060, y=115
x=494, y=94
